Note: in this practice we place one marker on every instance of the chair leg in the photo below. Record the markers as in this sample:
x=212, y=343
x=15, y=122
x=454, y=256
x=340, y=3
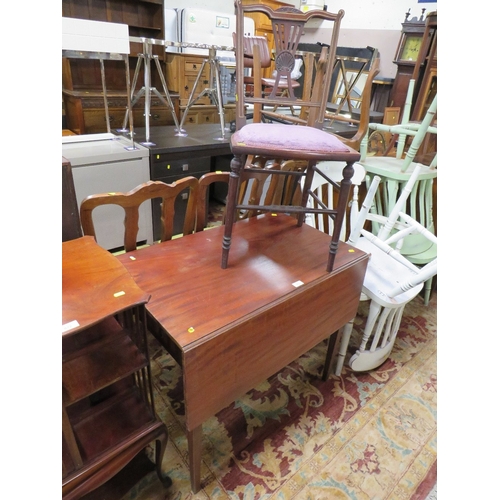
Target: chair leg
x=427, y=291
x=387, y=321
x=232, y=194
x=373, y=315
x=344, y=344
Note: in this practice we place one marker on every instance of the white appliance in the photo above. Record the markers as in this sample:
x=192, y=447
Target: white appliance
x=193, y=27
x=103, y=163
x=94, y=36
x=199, y=26
x=307, y=5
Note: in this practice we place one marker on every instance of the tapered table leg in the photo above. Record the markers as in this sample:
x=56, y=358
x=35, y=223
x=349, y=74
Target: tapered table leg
x=194, y=450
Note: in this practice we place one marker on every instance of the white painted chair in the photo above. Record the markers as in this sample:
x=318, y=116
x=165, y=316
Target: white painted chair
x=395, y=172
x=391, y=280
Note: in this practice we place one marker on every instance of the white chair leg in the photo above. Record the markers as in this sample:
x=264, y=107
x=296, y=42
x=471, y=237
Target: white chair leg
x=345, y=332
x=373, y=314
x=389, y=322
x=427, y=291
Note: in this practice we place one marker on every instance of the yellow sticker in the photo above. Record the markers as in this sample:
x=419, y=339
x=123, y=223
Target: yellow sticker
x=274, y=215
x=119, y=294
x=168, y=167
x=157, y=157
x=111, y=194
x=190, y=329
x=218, y=171
x=241, y=144
x=351, y=250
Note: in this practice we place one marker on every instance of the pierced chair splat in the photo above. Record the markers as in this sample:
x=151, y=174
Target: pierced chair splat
x=279, y=142
x=131, y=201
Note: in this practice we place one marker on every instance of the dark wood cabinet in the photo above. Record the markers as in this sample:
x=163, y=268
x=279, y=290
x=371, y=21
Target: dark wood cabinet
x=425, y=72
x=143, y=17
x=108, y=413
x=71, y=227
x=81, y=78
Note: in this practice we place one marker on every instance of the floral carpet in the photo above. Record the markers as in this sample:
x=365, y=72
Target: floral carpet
x=360, y=436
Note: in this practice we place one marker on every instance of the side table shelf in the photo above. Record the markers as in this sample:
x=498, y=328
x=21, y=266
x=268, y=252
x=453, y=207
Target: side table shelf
x=108, y=409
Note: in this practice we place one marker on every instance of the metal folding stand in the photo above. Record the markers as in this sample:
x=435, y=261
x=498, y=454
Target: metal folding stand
x=215, y=94
x=146, y=90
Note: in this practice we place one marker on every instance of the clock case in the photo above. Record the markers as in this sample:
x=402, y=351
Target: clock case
x=410, y=28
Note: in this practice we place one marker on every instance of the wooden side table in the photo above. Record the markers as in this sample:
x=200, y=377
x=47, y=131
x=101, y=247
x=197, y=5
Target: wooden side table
x=108, y=413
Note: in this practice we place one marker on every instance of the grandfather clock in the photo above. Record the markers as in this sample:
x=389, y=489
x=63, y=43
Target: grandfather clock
x=406, y=57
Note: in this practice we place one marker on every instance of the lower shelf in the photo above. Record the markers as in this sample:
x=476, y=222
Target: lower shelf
x=115, y=420
x=124, y=425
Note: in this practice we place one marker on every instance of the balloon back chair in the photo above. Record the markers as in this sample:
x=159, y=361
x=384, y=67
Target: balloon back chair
x=278, y=142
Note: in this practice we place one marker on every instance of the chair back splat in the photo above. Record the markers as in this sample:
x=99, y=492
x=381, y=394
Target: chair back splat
x=289, y=138
x=131, y=201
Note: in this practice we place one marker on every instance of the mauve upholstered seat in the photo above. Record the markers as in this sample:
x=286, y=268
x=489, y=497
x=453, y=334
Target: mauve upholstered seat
x=286, y=141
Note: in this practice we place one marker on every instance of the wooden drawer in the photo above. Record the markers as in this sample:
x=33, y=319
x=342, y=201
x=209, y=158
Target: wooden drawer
x=201, y=114
x=95, y=119
x=188, y=85
x=193, y=64
x=85, y=112
x=181, y=73
x=208, y=114
x=164, y=169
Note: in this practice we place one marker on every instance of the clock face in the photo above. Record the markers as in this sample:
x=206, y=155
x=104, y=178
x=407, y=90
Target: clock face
x=410, y=49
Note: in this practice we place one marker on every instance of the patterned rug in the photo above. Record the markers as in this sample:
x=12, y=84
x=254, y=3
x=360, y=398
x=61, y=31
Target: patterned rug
x=360, y=436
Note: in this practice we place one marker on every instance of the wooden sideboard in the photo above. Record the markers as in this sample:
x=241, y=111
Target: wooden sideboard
x=85, y=112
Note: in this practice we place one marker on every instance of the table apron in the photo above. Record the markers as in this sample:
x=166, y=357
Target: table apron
x=231, y=363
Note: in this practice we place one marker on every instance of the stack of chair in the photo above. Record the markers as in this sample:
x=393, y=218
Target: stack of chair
x=394, y=171
x=391, y=280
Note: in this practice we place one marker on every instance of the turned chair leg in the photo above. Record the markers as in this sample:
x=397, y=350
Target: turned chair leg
x=344, y=344
x=427, y=291
x=234, y=178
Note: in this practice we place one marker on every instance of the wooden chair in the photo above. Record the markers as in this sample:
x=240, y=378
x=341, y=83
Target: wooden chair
x=252, y=43
x=258, y=189
x=391, y=280
x=278, y=142
x=364, y=110
x=131, y=201
x=395, y=171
